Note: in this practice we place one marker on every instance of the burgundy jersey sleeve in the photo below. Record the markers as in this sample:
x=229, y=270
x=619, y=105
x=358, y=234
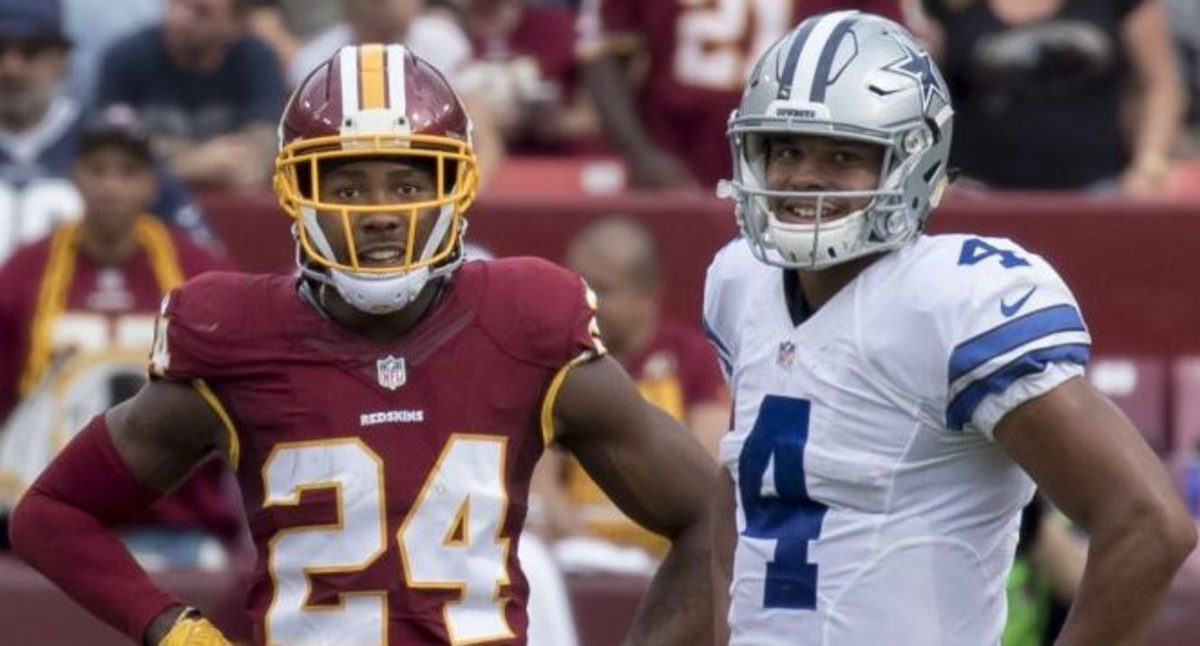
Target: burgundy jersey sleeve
x=540, y=313
x=216, y=325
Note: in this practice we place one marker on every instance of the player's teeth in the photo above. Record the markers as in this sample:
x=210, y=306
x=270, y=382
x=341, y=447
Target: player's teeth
x=382, y=255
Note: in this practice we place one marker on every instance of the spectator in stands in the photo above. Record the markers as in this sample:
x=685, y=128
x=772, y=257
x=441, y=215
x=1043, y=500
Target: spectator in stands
x=670, y=128
x=432, y=35
x=1049, y=564
x=671, y=363
x=40, y=129
x=436, y=37
x=208, y=91
x=77, y=313
x=524, y=65
x=1038, y=90
x=1184, y=18
x=286, y=25
x=1191, y=481
x=93, y=27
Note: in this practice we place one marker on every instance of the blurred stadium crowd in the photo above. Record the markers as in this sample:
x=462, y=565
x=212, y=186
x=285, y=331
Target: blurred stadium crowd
x=121, y=120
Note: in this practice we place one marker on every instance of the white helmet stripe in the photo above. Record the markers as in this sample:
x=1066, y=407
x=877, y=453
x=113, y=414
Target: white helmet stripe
x=397, y=96
x=821, y=76
x=793, y=56
x=349, y=77
x=805, y=74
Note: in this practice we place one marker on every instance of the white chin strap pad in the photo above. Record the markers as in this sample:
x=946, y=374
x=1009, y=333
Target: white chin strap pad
x=820, y=245
x=379, y=294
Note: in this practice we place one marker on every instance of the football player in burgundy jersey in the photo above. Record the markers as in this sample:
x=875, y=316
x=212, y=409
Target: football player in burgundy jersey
x=383, y=413
x=698, y=55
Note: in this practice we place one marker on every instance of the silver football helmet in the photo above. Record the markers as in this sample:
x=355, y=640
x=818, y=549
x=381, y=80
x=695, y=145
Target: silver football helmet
x=845, y=75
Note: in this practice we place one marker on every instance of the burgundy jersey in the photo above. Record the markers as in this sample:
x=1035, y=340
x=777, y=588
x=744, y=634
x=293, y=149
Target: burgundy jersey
x=700, y=54
x=106, y=309
x=105, y=305
x=677, y=370
x=385, y=483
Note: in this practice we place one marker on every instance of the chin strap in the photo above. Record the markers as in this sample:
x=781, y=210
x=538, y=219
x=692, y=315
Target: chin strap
x=380, y=295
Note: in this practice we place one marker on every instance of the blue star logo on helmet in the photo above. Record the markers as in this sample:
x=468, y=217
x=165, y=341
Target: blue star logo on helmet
x=917, y=66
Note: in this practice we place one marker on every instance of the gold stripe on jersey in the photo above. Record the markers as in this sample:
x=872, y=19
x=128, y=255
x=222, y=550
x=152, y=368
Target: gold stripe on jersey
x=372, y=84
x=552, y=394
x=55, y=287
x=52, y=297
x=164, y=260
x=234, y=451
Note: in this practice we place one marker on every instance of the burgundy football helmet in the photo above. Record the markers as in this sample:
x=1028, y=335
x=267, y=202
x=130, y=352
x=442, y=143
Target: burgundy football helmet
x=376, y=101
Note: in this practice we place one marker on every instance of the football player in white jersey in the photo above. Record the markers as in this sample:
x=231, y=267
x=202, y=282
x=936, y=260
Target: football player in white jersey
x=898, y=396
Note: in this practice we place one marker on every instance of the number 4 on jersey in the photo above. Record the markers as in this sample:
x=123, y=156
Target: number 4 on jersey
x=775, y=500
x=976, y=250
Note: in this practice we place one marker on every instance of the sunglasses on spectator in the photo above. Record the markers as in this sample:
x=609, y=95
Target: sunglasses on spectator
x=27, y=48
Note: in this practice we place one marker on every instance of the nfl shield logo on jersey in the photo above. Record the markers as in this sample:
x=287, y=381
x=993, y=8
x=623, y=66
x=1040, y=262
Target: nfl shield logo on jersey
x=786, y=355
x=391, y=372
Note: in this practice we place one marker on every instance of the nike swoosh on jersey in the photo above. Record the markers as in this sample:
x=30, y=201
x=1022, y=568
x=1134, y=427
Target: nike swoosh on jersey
x=1009, y=310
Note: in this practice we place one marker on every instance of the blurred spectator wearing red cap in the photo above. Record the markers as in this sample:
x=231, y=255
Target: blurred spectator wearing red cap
x=40, y=130
x=77, y=314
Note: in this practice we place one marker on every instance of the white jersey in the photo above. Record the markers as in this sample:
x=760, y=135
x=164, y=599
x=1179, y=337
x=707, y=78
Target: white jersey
x=873, y=505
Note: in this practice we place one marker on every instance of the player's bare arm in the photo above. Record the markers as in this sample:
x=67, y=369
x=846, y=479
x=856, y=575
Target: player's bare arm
x=651, y=166
x=724, y=544
x=1094, y=465
x=157, y=438
x=657, y=473
x=163, y=433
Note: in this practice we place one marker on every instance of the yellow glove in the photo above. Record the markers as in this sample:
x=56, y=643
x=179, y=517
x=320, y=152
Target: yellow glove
x=193, y=630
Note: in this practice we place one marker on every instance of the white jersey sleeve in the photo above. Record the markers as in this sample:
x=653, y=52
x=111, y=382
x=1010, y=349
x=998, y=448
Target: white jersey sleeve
x=1008, y=329
x=726, y=288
